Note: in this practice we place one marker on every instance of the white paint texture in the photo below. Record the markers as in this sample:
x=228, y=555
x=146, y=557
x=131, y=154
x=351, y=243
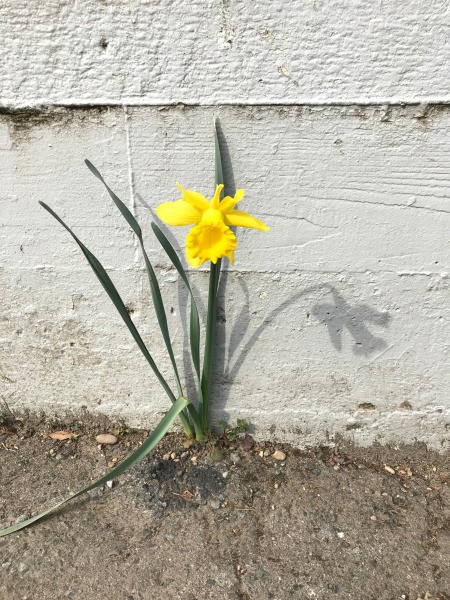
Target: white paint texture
x=334, y=322
x=223, y=51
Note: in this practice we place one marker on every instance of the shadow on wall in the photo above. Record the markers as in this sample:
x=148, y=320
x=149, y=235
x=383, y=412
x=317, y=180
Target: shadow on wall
x=337, y=316
x=340, y=315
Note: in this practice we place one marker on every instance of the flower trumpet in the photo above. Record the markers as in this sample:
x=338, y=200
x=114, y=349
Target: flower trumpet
x=211, y=237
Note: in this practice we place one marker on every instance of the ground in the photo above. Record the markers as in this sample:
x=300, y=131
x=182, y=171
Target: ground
x=336, y=523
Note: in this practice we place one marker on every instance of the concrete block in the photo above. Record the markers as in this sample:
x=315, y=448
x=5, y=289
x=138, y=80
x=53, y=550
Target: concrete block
x=336, y=322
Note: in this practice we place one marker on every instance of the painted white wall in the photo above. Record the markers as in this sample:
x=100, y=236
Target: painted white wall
x=224, y=51
x=337, y=320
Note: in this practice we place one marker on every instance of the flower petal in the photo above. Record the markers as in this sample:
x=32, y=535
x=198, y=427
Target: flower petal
x=228, y=203
x=194, y=262
x=239, y=218
x=215, y=200
x=194, y=198
x=178, y=213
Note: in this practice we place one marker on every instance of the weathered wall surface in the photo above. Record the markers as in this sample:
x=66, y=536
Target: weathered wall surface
x=216, y=51
x=334, y=322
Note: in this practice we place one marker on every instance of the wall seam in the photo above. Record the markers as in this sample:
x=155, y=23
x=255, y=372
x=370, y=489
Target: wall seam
x=10, y=108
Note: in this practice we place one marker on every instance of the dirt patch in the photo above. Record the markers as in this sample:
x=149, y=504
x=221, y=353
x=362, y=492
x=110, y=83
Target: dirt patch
x=351, y=523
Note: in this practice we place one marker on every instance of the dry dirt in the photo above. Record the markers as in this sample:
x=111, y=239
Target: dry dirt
x=323, y=524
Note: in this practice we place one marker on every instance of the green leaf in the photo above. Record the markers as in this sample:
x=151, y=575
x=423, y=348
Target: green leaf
x=152, y=440
x=242, y=424
x=158, y=302
x=194, y=321
x=218, y=158
x=154, y=286
x=120, y=205
x=112, y=292
x=216, y=455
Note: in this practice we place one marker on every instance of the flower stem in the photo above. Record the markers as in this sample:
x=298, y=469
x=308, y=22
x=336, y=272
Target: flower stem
x=209, y=342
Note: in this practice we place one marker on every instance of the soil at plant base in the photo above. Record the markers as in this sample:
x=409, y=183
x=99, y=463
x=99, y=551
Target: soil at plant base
x=369, y=524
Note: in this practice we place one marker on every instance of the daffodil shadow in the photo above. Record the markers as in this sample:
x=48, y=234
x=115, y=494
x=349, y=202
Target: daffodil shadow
x=340, y=316
x=336, y=316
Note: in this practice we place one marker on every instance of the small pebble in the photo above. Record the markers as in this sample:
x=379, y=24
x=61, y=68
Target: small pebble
x=336, y=467
x=110, y=483
x=373, y=518
x=22, y=518
x=266, y=453
x=278, y=455
x=261, y=453
x=23, y=568
x=194, y=459
x=225, y=474
x=106, y=438
x=173, y=455
x=276, y=486
x=234, y=457
x=341, y=535
x=95, y=494
x=389, y=469
x=166, y=456
x=214, y=504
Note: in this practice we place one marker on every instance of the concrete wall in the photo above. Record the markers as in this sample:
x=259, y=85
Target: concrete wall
x=337, y=125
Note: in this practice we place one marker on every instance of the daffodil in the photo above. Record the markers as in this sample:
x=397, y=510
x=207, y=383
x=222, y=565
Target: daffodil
x=211, y=237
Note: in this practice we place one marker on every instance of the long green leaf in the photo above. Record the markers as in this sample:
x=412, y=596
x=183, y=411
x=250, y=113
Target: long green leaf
x=217, y=159
x=194, y=321
x=147, y=446
x=112, y=292
x=154, y=285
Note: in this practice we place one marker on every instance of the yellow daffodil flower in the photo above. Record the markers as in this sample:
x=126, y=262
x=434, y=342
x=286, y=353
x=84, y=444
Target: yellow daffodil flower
x=211, y=237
